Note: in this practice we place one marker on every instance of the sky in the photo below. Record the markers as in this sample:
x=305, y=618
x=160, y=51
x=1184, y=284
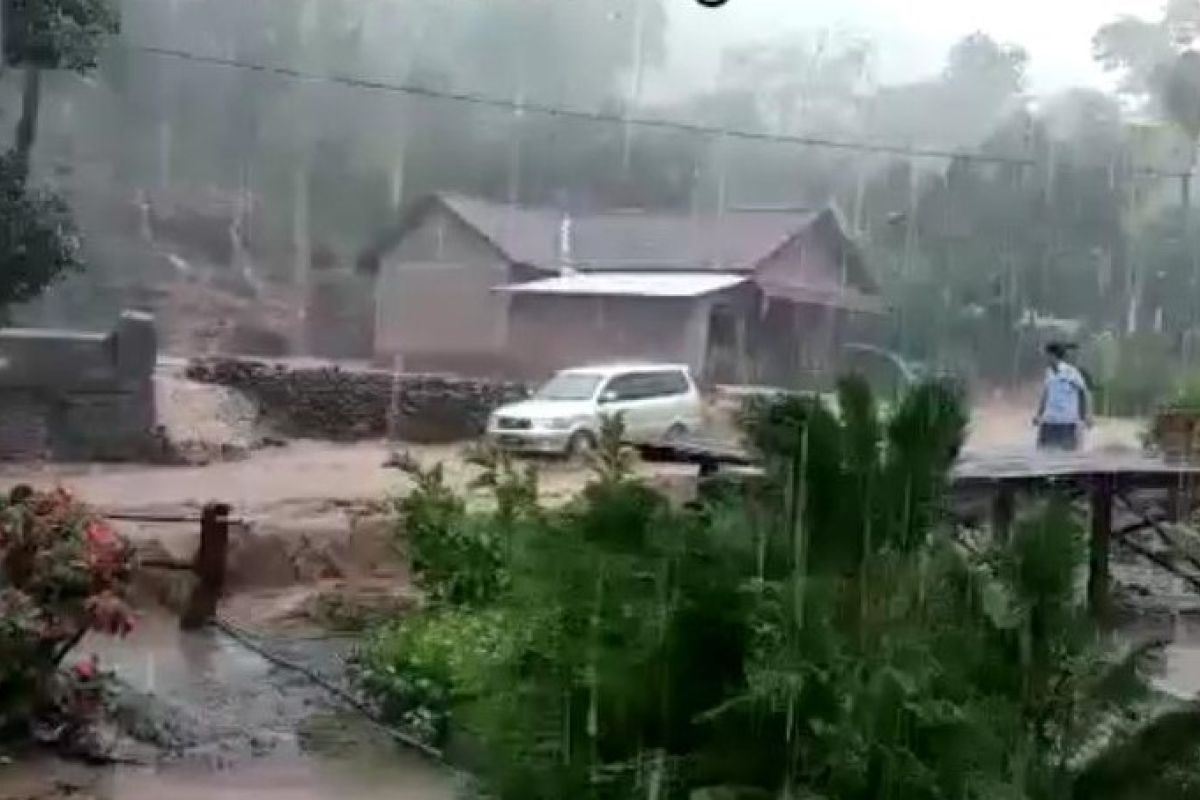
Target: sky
x=912, y=36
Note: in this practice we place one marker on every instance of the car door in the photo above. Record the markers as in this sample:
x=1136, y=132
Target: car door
x=674, y=404
x=658, y=404
x=681, y=403
x=627, y=397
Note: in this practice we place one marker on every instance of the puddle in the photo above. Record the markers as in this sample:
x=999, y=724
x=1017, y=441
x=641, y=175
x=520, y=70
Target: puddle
x=235, y=726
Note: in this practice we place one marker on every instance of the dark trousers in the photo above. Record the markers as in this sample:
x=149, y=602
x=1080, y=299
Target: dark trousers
x=1058, y=436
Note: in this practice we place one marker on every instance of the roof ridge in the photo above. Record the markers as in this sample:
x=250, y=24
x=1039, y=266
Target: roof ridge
x=450, y=195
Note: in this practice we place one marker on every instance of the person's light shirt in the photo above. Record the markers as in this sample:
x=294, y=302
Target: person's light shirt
x=1065, y=388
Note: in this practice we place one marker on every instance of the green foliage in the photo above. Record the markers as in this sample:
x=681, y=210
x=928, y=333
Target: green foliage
x=819, y=634
x=420, y=668
x=58, y=34
x=458, y=558
x=38, y=241
x=1186, y=396
x=515, y=488
x=63, y=572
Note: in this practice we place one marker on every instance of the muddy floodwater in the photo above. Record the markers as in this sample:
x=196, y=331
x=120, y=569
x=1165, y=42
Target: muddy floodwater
x=227, y=723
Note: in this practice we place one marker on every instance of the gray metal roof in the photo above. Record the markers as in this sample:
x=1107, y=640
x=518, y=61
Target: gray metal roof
x=626, y=240
x=629, y=284
x=733, y=241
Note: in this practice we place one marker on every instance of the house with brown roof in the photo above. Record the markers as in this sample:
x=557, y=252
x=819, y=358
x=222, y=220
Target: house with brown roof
x=745, y=295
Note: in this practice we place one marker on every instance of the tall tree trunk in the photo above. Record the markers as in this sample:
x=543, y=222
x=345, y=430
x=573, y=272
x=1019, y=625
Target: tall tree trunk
x=31, y=101
x=301, y=247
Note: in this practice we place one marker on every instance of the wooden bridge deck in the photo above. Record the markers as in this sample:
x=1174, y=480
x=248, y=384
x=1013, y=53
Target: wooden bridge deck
x=1004, y=474
x=1028, y=465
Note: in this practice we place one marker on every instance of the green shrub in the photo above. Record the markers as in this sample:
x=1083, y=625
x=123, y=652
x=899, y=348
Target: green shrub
x=1186, y=396
x=830, y=637
x=458, y=558
x=418, y=669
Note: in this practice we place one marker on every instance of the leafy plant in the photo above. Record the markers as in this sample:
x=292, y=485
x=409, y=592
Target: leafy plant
x=419, y=668
x=458, y=558
x=63, y=572
x=820, y=634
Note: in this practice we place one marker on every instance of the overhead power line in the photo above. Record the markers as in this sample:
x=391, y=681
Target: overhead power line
x=544, y=109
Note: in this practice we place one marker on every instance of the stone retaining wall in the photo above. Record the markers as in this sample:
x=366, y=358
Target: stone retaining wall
x=332, y=402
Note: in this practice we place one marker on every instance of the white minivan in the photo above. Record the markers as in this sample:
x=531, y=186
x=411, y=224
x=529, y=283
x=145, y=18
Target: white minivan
x=656, y=401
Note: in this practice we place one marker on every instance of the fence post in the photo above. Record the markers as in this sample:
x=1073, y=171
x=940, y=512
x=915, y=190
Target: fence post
x=209, y=566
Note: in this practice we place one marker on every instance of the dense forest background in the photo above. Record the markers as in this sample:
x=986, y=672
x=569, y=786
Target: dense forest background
x=255, y=143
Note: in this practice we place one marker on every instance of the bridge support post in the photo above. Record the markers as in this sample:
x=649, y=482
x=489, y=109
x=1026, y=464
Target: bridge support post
x=1098, y=573
x=1004, y=503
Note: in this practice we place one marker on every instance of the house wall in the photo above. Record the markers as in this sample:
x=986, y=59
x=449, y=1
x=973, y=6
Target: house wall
x=796, y=343
x=806, y=261
x=434, y=293
x=547, y=332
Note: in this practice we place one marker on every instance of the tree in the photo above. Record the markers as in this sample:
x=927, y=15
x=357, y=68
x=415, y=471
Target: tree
x=38, y=241
x=51, y=34
x=1143, y=50
x=803, y=84
x=981, y=84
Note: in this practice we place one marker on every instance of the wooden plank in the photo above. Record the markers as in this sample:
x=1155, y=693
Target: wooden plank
x=209, y=566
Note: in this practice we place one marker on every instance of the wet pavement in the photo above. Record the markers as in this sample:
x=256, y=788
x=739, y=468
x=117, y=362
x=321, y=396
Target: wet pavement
x=208, y=718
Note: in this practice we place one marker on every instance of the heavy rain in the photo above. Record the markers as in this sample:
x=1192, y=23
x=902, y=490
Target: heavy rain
x=599, y=400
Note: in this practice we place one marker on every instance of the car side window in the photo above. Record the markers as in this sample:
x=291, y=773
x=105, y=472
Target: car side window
x=666, y=384
x=624, y=387
x=674, y=383
x=647, y=385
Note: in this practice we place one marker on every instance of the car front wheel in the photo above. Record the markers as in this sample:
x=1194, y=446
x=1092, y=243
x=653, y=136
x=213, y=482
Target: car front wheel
x=580, y=445
x=676, y=432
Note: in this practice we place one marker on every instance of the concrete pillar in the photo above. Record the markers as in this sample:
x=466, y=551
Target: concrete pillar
x=136, y=346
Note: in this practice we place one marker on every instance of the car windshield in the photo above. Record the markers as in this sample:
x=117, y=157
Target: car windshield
x=569, y=386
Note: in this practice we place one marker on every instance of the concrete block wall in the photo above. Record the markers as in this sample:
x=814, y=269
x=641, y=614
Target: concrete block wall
x=68, y=394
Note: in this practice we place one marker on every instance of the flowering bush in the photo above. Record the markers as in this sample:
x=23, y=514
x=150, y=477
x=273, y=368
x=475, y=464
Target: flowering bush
x=63, y=572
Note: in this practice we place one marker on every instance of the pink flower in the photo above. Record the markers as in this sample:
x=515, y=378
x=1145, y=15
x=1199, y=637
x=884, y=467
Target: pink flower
x=100, y=535
x=87, y=670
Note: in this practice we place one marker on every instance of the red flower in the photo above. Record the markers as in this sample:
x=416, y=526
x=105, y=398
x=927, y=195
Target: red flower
x=87, y=670
x=101, y=536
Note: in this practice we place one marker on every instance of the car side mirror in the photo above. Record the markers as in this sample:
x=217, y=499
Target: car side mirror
x=608, y=397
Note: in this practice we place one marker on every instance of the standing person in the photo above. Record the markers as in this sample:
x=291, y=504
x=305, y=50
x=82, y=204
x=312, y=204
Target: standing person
x=1065, y=407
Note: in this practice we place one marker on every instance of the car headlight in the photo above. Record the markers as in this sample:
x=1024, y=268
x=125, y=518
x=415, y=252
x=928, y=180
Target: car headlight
x=558, y=423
